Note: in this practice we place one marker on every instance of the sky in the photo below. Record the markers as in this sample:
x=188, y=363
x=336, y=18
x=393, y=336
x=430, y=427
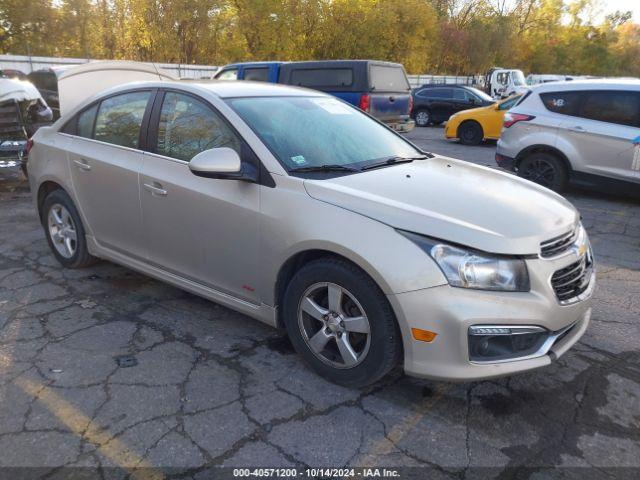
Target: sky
x=610, y=6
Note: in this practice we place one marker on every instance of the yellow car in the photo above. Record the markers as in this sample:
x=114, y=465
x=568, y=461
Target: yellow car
x=478, y=124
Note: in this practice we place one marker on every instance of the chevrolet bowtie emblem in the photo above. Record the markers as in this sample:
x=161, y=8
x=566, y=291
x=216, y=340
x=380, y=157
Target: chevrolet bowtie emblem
x=582, y=249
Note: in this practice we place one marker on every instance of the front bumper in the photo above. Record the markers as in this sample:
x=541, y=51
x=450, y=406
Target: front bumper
x=449, y=312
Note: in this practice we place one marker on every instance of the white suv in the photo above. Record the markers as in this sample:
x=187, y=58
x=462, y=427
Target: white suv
x=586, y=132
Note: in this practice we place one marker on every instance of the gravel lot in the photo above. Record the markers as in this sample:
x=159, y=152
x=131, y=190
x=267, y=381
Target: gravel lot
x=210, y=387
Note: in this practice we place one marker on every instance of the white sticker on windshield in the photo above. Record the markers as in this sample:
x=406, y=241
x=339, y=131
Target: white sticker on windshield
x=334, y=107
x=298, y=160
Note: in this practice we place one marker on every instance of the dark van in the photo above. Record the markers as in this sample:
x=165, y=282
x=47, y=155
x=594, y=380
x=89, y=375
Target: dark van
x=379, y=88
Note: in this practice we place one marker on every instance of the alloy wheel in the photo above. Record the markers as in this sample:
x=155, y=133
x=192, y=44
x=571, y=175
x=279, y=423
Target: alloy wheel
x=62, y=230
x=334, y=325
x=423, y=118
x=540, y=171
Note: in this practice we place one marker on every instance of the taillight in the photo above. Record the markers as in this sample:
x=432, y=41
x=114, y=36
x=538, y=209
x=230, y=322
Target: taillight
x=513, y=118
x=29, y=146
x=410, y=104
x=365, y=102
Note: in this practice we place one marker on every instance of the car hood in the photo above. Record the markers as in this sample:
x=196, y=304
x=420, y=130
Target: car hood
x=452, y=200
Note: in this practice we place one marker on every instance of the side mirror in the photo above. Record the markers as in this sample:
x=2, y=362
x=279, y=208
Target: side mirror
x=472, y=101
x=221, y=163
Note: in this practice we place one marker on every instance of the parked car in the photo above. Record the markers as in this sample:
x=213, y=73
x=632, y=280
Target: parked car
x=22, y=112
x=434, y=104
x=378, y=88
x=12, y=73
x=586, y=132
x=299, y=210
x=473, y=126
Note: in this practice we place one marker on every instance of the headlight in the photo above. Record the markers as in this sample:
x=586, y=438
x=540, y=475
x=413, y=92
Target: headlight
x=468, y=268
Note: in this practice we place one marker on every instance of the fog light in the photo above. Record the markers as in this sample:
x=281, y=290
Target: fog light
x=500, y=343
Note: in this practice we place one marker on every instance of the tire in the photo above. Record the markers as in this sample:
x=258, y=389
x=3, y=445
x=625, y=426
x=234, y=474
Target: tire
x=64, y=231
x=373, y=355
x=423, y=117
x=545, y=169
x=470, y=133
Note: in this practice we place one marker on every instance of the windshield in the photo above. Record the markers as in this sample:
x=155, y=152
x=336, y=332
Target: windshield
x=481, y=94
x=316, y=131
x=518, y=78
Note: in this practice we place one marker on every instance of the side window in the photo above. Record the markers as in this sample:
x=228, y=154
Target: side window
x=619, y=107
x=459, y=94
x=189, y=126
x=566, y=103
x=322, y=77
x=85, y=123
x=256, y=74
x=120, y=117
x=231, y=74
x=438, y=93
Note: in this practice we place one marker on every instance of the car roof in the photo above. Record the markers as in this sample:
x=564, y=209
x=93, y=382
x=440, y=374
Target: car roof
x=324, y=63
x=222, y=88
x=444, y=85
x=590, y=84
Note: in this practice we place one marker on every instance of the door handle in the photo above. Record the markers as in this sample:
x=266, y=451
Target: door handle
x=578, y=129
x=82, y=165
x=155, y=189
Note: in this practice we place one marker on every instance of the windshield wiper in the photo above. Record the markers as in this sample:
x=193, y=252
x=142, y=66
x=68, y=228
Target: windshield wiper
x=394, y=161
x=324, y=168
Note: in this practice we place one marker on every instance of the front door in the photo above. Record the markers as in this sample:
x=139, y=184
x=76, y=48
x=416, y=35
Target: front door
x=105, y=161
x=202, y=229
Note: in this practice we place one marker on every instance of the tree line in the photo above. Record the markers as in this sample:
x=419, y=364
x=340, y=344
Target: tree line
x=455, y=37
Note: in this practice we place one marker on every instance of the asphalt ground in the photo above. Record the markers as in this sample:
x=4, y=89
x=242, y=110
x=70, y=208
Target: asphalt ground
x=104, y=370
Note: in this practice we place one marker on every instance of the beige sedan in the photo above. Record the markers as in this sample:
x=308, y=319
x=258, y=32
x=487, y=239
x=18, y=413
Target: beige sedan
x=305, y=213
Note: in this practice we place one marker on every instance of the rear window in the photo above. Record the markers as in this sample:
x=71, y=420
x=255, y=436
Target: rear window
x=388, y=79
x=566, y=103
x=322, y=77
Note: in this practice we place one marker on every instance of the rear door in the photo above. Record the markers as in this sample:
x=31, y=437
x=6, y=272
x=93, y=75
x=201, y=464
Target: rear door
x=605, y=132
x=105, y=159
x=390, y=92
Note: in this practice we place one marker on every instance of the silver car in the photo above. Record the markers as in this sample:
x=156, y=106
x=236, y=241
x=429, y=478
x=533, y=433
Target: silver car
x=586, y=132
x=303, y=212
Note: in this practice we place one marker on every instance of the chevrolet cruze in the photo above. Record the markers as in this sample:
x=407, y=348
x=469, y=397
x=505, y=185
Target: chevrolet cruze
x=301, y=211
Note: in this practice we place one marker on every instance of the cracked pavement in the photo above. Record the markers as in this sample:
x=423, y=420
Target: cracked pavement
x=210, y=387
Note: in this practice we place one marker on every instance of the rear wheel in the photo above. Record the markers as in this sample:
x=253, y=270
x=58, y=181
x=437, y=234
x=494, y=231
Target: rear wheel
x=470, y=133
x=423, y=117
x=544, y=169
x=64, y=231
x=340, y=322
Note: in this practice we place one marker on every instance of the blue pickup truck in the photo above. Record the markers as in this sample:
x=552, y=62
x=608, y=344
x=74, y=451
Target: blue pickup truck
x=379, y=88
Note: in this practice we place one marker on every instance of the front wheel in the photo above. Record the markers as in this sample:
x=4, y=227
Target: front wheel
x=341, y=323
x=544, y=169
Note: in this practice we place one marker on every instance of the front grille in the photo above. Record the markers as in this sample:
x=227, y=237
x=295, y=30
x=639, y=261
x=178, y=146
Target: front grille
x=573, y=280
x=558, y=245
